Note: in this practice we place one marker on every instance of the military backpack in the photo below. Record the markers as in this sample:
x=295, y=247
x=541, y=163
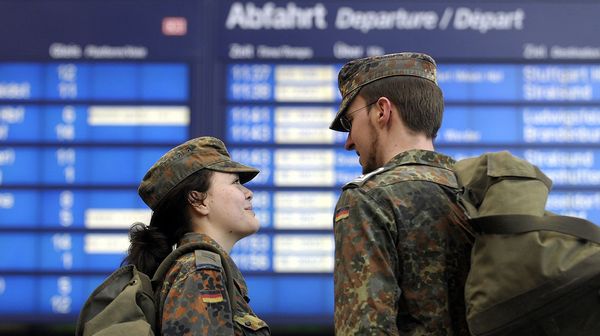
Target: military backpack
x=532, y=272
x=126, y=302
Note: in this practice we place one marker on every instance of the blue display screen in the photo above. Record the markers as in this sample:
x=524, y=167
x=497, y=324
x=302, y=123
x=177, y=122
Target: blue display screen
x=87, y=107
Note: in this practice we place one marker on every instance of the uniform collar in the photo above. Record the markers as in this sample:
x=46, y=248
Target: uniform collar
x=194, y=237
x=423, y=157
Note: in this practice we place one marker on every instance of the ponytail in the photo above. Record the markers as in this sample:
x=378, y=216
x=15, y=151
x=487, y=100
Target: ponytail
x=150, y=245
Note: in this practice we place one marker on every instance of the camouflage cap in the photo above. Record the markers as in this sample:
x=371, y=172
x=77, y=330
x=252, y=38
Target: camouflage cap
x=184, y=160
x=360, y=72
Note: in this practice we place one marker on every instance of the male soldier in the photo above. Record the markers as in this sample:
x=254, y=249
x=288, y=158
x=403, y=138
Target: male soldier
x=401, y=260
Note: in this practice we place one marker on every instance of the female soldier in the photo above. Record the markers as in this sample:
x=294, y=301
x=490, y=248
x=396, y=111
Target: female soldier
x=195, y=191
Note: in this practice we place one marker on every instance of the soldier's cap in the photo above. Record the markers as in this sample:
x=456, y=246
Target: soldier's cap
x=360, y=72
x=184, y=160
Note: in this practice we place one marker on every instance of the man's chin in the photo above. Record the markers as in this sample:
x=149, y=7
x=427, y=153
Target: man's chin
x=369, y=166
x=367, y=169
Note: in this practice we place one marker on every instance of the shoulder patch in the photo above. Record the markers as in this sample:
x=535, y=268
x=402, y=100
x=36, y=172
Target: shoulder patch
x=342, y=213
x=249, y=321
x=207, y=259
x=214, y=297
x=359, y=181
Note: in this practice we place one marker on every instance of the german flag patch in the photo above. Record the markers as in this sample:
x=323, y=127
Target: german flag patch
x=211, y=297
x=341, y=214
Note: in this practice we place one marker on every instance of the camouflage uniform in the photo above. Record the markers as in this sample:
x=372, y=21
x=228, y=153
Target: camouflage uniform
x=193, y=299
x=401, y=260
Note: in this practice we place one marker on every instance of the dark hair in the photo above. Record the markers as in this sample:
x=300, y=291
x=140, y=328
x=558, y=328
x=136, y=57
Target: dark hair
x=420, y=102
x=150, y=245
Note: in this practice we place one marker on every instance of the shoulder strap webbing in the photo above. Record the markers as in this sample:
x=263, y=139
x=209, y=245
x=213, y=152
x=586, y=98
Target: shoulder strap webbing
x=513, y=224
x=166, y=265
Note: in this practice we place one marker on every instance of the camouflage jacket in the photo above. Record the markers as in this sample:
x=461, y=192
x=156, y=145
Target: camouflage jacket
x=193, y=299
x=401, y=261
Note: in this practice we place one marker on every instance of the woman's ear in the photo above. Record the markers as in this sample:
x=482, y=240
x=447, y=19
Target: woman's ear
x=197, y=201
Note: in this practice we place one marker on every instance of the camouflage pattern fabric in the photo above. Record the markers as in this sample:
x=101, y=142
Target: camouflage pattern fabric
x=193, y=299
x=360, y=72
x=184, y=160
x=401, y=260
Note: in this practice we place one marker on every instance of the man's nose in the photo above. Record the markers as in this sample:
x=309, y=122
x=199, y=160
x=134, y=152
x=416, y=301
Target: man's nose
x=349, y=145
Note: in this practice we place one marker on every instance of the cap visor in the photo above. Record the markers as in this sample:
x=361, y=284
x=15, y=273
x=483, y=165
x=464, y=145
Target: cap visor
x=246, y=173
x=336, y=125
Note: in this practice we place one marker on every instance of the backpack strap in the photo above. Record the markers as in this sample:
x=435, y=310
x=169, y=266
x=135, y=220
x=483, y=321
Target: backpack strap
x=514, y=224
x=166, y=265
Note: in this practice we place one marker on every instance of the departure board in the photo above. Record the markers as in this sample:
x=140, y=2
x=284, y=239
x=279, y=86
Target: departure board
x=92, y=93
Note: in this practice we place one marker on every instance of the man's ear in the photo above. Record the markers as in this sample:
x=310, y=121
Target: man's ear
x=384, y=112
x=197, y=201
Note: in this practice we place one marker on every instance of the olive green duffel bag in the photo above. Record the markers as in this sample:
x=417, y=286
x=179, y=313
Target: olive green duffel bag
x=532, y=272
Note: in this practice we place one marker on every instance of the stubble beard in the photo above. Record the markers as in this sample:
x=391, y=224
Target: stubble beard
x=371, y=161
